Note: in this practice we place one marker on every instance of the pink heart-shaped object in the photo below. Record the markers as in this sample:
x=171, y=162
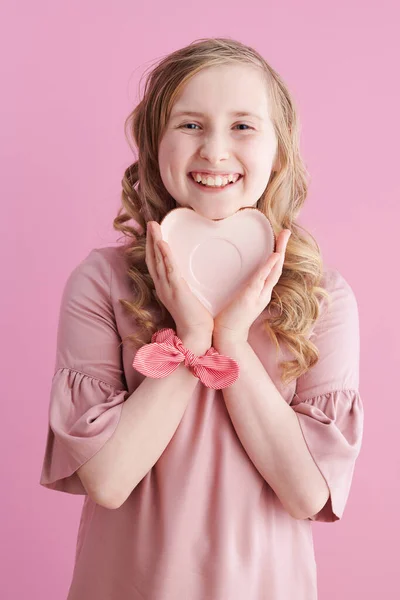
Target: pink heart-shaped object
x=217, y=257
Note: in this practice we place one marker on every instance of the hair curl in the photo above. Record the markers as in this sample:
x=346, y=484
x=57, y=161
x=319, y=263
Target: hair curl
x=294, y=304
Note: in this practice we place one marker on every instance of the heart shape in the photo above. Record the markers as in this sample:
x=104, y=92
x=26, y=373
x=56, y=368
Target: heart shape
x=217, y=257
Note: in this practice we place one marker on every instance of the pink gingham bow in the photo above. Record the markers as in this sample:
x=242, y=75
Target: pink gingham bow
x=166, y=351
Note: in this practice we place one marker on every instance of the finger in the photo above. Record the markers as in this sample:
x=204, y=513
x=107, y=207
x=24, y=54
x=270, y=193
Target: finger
x=283, y=239
x=170, y=266
x=262, y=274
x=157, y=267
x=150, y=251
x=274, y=273
x=160, y=262
x=271, y=263
x=281, y=246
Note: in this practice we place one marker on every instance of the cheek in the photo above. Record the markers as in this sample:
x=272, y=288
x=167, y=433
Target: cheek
x=164, y=152
x=258, y=157
x=171, y=156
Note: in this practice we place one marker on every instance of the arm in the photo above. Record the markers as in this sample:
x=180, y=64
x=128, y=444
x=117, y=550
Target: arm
x=270, y=433
x=149, y=419
x=101, y=438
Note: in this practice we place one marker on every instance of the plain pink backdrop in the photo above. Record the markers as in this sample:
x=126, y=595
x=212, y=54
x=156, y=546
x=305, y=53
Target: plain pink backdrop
x=69, y=77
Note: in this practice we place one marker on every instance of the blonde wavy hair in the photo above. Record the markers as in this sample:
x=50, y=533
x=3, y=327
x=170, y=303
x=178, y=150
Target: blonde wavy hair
x=294, y=304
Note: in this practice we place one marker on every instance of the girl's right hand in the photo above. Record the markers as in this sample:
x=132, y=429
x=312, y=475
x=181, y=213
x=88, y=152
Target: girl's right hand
x=189, y=314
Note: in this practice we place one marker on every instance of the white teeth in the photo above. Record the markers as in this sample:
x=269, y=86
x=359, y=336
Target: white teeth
x=217, y=181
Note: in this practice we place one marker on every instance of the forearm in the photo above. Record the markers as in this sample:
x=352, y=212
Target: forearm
x=271, y=434
x=149, y=419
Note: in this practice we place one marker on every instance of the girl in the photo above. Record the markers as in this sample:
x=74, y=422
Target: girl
x=195, y=492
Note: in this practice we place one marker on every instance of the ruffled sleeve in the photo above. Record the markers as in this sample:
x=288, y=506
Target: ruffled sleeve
x=88, y=387
x=327, y=399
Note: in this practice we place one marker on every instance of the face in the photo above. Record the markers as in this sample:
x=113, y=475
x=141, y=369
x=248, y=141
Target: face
x=218, y=141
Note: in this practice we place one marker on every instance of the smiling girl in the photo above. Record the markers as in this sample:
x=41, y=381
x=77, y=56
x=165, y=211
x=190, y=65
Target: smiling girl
x=195, y=492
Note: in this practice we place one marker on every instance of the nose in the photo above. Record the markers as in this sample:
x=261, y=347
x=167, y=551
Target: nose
x=214, y=148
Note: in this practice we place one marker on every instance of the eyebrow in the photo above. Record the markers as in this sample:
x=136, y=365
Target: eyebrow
x=191, y=113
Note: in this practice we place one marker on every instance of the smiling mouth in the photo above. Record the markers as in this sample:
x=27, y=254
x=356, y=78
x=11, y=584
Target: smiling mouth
x=215, y=187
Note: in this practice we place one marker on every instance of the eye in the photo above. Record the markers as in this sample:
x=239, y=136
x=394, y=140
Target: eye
x=239, y=125
x=186, y=124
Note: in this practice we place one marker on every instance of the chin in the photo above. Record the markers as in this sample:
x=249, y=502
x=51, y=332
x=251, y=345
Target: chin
x=216, y=213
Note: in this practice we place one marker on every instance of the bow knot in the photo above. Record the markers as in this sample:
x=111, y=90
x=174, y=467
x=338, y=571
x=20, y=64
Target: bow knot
x=191, y=360
x=166, y=351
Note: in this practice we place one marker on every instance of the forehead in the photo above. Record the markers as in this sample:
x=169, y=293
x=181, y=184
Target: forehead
x=228, y=90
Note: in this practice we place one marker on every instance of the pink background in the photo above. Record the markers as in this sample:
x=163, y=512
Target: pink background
x=70, y=73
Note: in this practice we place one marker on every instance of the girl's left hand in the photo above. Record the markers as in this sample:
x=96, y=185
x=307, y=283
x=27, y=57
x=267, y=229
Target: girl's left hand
x=235, y=320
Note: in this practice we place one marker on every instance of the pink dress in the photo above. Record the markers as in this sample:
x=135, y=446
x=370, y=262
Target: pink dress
x=202, y=524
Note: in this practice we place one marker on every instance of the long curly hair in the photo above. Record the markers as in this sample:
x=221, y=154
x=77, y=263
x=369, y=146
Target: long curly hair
x=294, y=304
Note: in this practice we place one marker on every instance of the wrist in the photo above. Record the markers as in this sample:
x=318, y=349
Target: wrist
x=228, y=336
x=197, y=342
x=165, y=354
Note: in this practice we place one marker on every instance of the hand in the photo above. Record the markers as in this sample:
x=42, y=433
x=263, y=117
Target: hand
x=235, y=320
x=189, y=314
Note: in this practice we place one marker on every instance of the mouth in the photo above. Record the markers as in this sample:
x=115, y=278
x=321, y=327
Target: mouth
x=214, y=188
